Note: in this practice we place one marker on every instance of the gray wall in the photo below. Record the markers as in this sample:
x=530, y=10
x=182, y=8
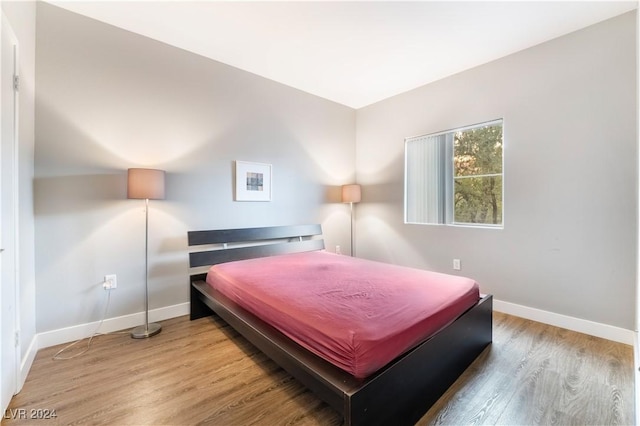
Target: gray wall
x=568, y=243
x=22, y=16
x=108, y=100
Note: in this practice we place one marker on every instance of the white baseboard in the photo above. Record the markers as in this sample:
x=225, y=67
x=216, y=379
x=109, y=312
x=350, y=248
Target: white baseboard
x=604, y=331
x=76, y=332
x=27, y=362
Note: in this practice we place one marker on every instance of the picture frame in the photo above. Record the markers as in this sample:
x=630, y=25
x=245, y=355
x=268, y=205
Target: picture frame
x=253, y=181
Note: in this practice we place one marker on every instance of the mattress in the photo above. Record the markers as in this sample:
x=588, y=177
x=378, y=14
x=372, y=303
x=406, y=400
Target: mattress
x=357, y=314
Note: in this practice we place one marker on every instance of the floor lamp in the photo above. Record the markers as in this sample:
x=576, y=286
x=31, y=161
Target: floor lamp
x=146, y=184
x=351, y=194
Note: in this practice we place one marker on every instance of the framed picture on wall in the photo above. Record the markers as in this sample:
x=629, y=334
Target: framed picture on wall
x=253, y=181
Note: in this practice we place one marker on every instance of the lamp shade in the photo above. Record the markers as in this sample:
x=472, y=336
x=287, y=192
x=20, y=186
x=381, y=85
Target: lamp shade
x=145, y=184
x=351, y=193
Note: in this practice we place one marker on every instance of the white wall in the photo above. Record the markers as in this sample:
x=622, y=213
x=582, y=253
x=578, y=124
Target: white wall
x=22, y=16
x=569, y=109
x=109, y=100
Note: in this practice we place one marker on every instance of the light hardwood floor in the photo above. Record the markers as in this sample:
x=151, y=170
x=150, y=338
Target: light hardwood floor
x=203, y=372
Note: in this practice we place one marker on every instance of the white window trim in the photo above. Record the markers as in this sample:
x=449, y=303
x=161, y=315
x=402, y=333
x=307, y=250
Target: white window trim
x=449, y=181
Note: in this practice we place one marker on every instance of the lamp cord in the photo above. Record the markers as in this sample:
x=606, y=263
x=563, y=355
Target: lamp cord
x=57, y=356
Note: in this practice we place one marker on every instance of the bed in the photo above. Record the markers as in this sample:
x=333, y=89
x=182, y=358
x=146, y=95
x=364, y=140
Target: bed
x=399, y=391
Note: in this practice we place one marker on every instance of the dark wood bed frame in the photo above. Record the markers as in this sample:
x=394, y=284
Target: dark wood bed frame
x=400, y=393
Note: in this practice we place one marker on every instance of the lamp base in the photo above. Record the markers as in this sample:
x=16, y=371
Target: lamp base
x=142, y=332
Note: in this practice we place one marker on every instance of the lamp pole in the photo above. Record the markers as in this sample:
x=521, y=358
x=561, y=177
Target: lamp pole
x=146, y=330
x=146, y=184
x=353, y=249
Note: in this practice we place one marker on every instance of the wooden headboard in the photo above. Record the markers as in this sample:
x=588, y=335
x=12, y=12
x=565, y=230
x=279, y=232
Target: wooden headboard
x=252, y=243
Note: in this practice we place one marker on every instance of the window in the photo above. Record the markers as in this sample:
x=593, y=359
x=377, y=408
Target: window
x=455, y=177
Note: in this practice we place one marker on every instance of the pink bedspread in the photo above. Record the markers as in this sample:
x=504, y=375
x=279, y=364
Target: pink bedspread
x=357, y=314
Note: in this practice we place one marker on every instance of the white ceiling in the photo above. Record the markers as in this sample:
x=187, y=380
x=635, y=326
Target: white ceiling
x=353, y=53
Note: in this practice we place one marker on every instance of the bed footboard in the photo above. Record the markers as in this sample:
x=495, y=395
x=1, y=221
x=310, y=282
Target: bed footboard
x=399, y=394
x=402, y=393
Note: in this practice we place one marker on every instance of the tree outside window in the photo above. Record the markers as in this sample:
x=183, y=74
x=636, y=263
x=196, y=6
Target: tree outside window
x=477, y=165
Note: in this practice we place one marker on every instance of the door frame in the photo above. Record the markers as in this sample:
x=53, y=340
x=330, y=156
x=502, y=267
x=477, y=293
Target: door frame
x=636, y=343
x=12, y=242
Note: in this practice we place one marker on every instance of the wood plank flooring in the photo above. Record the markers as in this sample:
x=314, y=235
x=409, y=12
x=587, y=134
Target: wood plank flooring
x=203, y=372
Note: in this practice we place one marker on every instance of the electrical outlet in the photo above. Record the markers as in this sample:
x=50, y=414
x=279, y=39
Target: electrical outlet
x=110, y=282
x=456, y=264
